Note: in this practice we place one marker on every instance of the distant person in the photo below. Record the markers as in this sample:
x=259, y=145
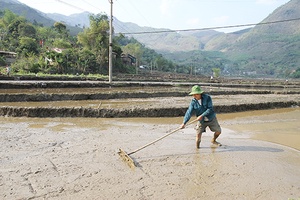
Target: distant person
x=202, y=106
x=7, y=70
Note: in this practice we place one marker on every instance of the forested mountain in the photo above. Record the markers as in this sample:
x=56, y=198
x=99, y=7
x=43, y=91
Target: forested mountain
x=77, y=20
x=52, y=49
x=265, y=50
x=168, y=40
x=29, y=13
x=272, y=48
x=34, y=16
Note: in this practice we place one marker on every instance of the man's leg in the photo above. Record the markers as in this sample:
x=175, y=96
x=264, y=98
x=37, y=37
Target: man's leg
x=214, y=140
x=198, y=140
x=215, y=126
x=200, y=128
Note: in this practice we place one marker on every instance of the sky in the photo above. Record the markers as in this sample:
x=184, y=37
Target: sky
x=170, y=14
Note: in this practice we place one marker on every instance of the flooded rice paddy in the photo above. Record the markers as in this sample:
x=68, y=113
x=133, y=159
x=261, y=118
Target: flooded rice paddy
x=76, y=157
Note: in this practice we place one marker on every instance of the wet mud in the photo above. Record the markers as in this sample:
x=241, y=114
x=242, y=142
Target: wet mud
x=56, y=148
x=77, y=158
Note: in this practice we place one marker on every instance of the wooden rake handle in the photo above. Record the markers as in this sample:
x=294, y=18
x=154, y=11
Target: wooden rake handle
x=160, y=138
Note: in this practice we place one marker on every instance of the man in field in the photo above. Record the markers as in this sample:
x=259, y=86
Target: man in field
x=202, y=106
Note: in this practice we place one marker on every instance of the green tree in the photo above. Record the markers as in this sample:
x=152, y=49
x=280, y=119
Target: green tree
x=2, y=61
x=61, y=43
x=13, y=27
x=60, y=27
x=216, y=72
x=27, y=64
x=95, y=39
x=296, y=73
x=27, y=45
x=27, y=30
x=87, y=62
x=134, y=49
x=8, y=17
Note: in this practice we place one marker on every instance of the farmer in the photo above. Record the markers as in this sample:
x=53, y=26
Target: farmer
x=202, y=106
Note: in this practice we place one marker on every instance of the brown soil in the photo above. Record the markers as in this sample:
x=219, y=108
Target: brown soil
x=76, y=158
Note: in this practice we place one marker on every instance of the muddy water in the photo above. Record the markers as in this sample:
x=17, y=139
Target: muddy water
x=76, y=158
x=278, y=125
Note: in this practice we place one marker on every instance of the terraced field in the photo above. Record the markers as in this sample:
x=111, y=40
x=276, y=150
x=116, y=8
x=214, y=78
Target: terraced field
x=135, y=99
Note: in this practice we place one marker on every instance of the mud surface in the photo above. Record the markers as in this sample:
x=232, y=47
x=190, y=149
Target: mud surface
x=76, y=158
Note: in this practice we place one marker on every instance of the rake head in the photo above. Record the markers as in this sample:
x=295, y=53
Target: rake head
x=127, y=158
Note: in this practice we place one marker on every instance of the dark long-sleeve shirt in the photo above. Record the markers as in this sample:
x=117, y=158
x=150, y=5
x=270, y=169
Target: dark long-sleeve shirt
x=205, y=109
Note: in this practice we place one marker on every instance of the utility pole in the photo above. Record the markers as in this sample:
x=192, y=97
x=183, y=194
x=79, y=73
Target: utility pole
x=110, y=43
x=136, y=66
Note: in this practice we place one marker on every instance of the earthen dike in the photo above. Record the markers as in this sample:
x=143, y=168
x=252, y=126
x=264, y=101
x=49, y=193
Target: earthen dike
x=139, y=98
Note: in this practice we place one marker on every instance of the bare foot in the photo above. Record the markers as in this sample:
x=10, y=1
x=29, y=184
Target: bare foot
x=216, y=143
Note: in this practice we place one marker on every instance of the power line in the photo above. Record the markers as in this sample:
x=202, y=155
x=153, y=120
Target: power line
x=78, y=8
x=210, y=28
x=122, y=27
x=91, y=5
x=68, y=4
x=138, y=11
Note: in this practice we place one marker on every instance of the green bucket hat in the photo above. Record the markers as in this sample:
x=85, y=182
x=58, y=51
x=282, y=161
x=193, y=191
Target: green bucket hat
x=196, y=90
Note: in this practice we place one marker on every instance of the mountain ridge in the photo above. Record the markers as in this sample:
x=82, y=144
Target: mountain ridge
x=272, y=48
x=33, y=15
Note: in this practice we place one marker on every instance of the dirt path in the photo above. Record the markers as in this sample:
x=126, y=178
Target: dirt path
x=76, y=158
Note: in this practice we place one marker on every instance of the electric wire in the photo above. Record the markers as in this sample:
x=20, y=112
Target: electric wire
x=91, y=4
x=137, y=10
x=153, y=37
x=68, y=4
x=212, y=28
x=178, y=30
x=120, y=25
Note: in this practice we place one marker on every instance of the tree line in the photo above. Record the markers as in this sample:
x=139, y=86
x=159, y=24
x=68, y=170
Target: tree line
x=52, y=50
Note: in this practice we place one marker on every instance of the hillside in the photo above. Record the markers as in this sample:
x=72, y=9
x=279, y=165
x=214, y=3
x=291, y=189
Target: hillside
x=32, y=15
x=165, y=39
x=25, y=11
x=271, y=48
x=168, y=41
x=254, y=37
x=76, y=20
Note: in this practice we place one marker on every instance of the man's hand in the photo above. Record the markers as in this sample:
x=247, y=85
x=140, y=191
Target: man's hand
x=199, y=118
x=182, y=126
